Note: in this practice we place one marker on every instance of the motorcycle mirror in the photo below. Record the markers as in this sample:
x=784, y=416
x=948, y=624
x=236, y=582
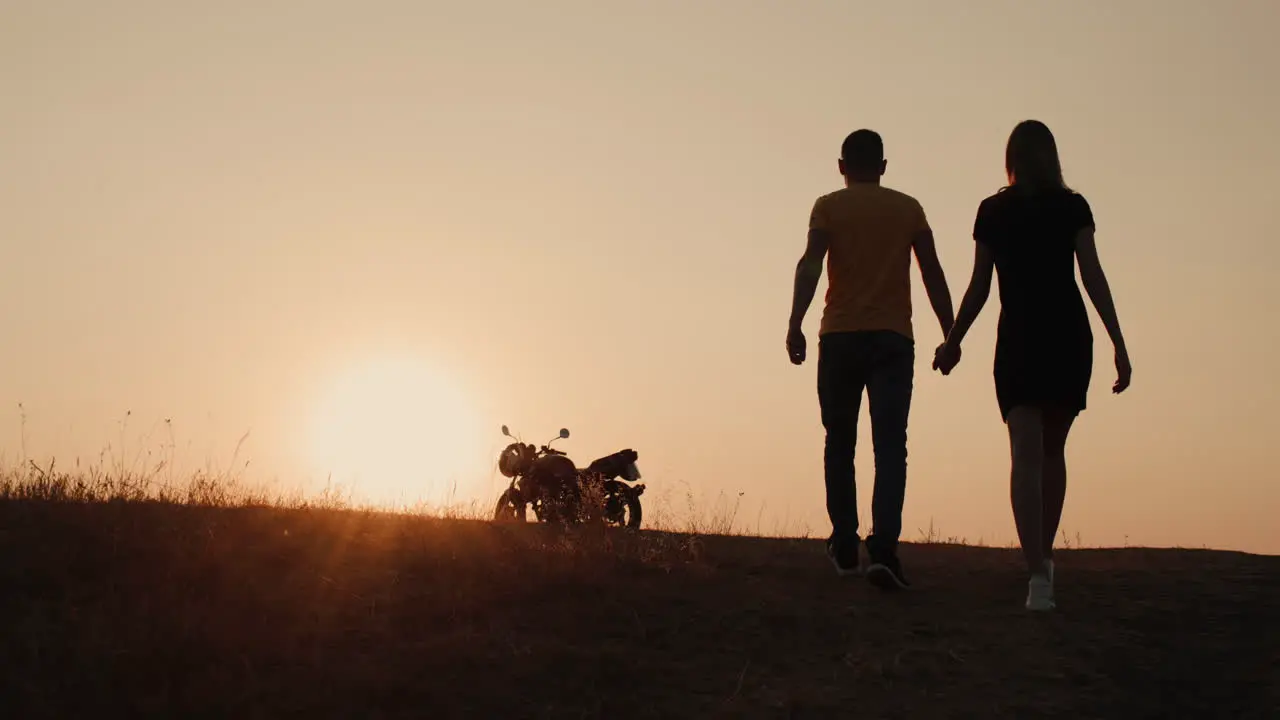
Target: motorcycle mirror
x=564, y=433
x=505, y=431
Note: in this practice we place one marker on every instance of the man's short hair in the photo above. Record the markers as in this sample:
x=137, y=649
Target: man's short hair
x=863, y=149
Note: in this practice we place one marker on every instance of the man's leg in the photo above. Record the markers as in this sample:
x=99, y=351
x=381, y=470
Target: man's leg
x=840, y=387
x=889, y=389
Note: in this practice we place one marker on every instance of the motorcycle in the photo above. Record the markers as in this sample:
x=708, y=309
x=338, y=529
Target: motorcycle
x=545, y=480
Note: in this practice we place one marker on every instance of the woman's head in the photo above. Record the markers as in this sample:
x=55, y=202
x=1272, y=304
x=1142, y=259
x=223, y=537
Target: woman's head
x=1031, y=157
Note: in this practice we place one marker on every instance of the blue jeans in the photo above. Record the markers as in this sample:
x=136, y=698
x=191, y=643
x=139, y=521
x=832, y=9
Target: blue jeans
x=882, y=363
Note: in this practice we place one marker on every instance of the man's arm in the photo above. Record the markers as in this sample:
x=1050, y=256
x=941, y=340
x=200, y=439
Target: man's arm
x=935, y=280
x=808, y=272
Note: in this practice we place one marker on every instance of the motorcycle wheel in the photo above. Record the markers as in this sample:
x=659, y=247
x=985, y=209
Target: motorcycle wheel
x=508, y=510
x=621, y=506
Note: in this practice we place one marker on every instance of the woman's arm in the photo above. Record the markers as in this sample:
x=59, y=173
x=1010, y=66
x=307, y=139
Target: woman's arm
x=1099, y=290
x=975, y=297
x=1095, y=283
x=947, y=355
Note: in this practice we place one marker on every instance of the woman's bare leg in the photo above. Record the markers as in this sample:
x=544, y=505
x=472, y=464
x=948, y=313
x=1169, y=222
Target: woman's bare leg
x=1026, y=446
x=1054, y=487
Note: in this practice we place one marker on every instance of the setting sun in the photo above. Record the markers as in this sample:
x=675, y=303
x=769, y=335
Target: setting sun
x=397, y=431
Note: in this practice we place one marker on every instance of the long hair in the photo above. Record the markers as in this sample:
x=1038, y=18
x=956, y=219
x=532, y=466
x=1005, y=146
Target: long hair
x=1031, y=158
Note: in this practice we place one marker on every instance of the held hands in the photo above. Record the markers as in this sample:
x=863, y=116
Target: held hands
x=946, y=357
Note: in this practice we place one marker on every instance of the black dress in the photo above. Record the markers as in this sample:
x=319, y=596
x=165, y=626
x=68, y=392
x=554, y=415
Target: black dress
x=1044, y=346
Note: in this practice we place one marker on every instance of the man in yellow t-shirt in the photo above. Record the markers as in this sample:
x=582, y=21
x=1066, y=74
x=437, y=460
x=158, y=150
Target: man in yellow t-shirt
x=869, y=233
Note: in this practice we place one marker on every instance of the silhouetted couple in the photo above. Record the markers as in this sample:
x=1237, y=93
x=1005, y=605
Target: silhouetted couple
x=1031, y=233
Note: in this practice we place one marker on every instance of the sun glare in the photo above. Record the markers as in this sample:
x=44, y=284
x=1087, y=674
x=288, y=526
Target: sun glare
x=396, y=431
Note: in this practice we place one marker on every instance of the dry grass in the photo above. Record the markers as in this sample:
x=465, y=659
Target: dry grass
x=124, y=595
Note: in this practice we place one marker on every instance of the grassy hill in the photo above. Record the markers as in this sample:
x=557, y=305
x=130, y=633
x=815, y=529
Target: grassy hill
x=140, y=608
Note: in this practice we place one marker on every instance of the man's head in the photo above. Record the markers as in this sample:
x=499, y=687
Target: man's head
x=862, y=156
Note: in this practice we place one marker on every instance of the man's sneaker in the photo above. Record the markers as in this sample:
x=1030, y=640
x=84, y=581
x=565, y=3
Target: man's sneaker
x=1049, y=570
x=1040, y=593
x=886, y=573
x=844, y=555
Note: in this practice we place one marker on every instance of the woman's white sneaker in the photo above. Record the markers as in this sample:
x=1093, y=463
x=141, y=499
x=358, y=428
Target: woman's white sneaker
x=1040, y=593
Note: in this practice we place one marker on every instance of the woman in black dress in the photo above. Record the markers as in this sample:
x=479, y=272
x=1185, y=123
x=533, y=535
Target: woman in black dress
x=1032, y=233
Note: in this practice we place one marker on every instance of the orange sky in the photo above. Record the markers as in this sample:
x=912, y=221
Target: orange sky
x=247, y=216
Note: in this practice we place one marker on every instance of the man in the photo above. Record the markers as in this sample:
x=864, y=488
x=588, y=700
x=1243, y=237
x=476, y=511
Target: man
x=866, y=342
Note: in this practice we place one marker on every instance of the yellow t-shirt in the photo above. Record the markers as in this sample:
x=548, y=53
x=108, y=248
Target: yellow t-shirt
x=872, y=229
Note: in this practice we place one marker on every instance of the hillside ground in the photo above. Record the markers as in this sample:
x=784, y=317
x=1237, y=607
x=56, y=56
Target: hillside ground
x=149, y=609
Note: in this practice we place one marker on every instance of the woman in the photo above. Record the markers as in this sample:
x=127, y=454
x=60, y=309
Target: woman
x=1032, y=233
